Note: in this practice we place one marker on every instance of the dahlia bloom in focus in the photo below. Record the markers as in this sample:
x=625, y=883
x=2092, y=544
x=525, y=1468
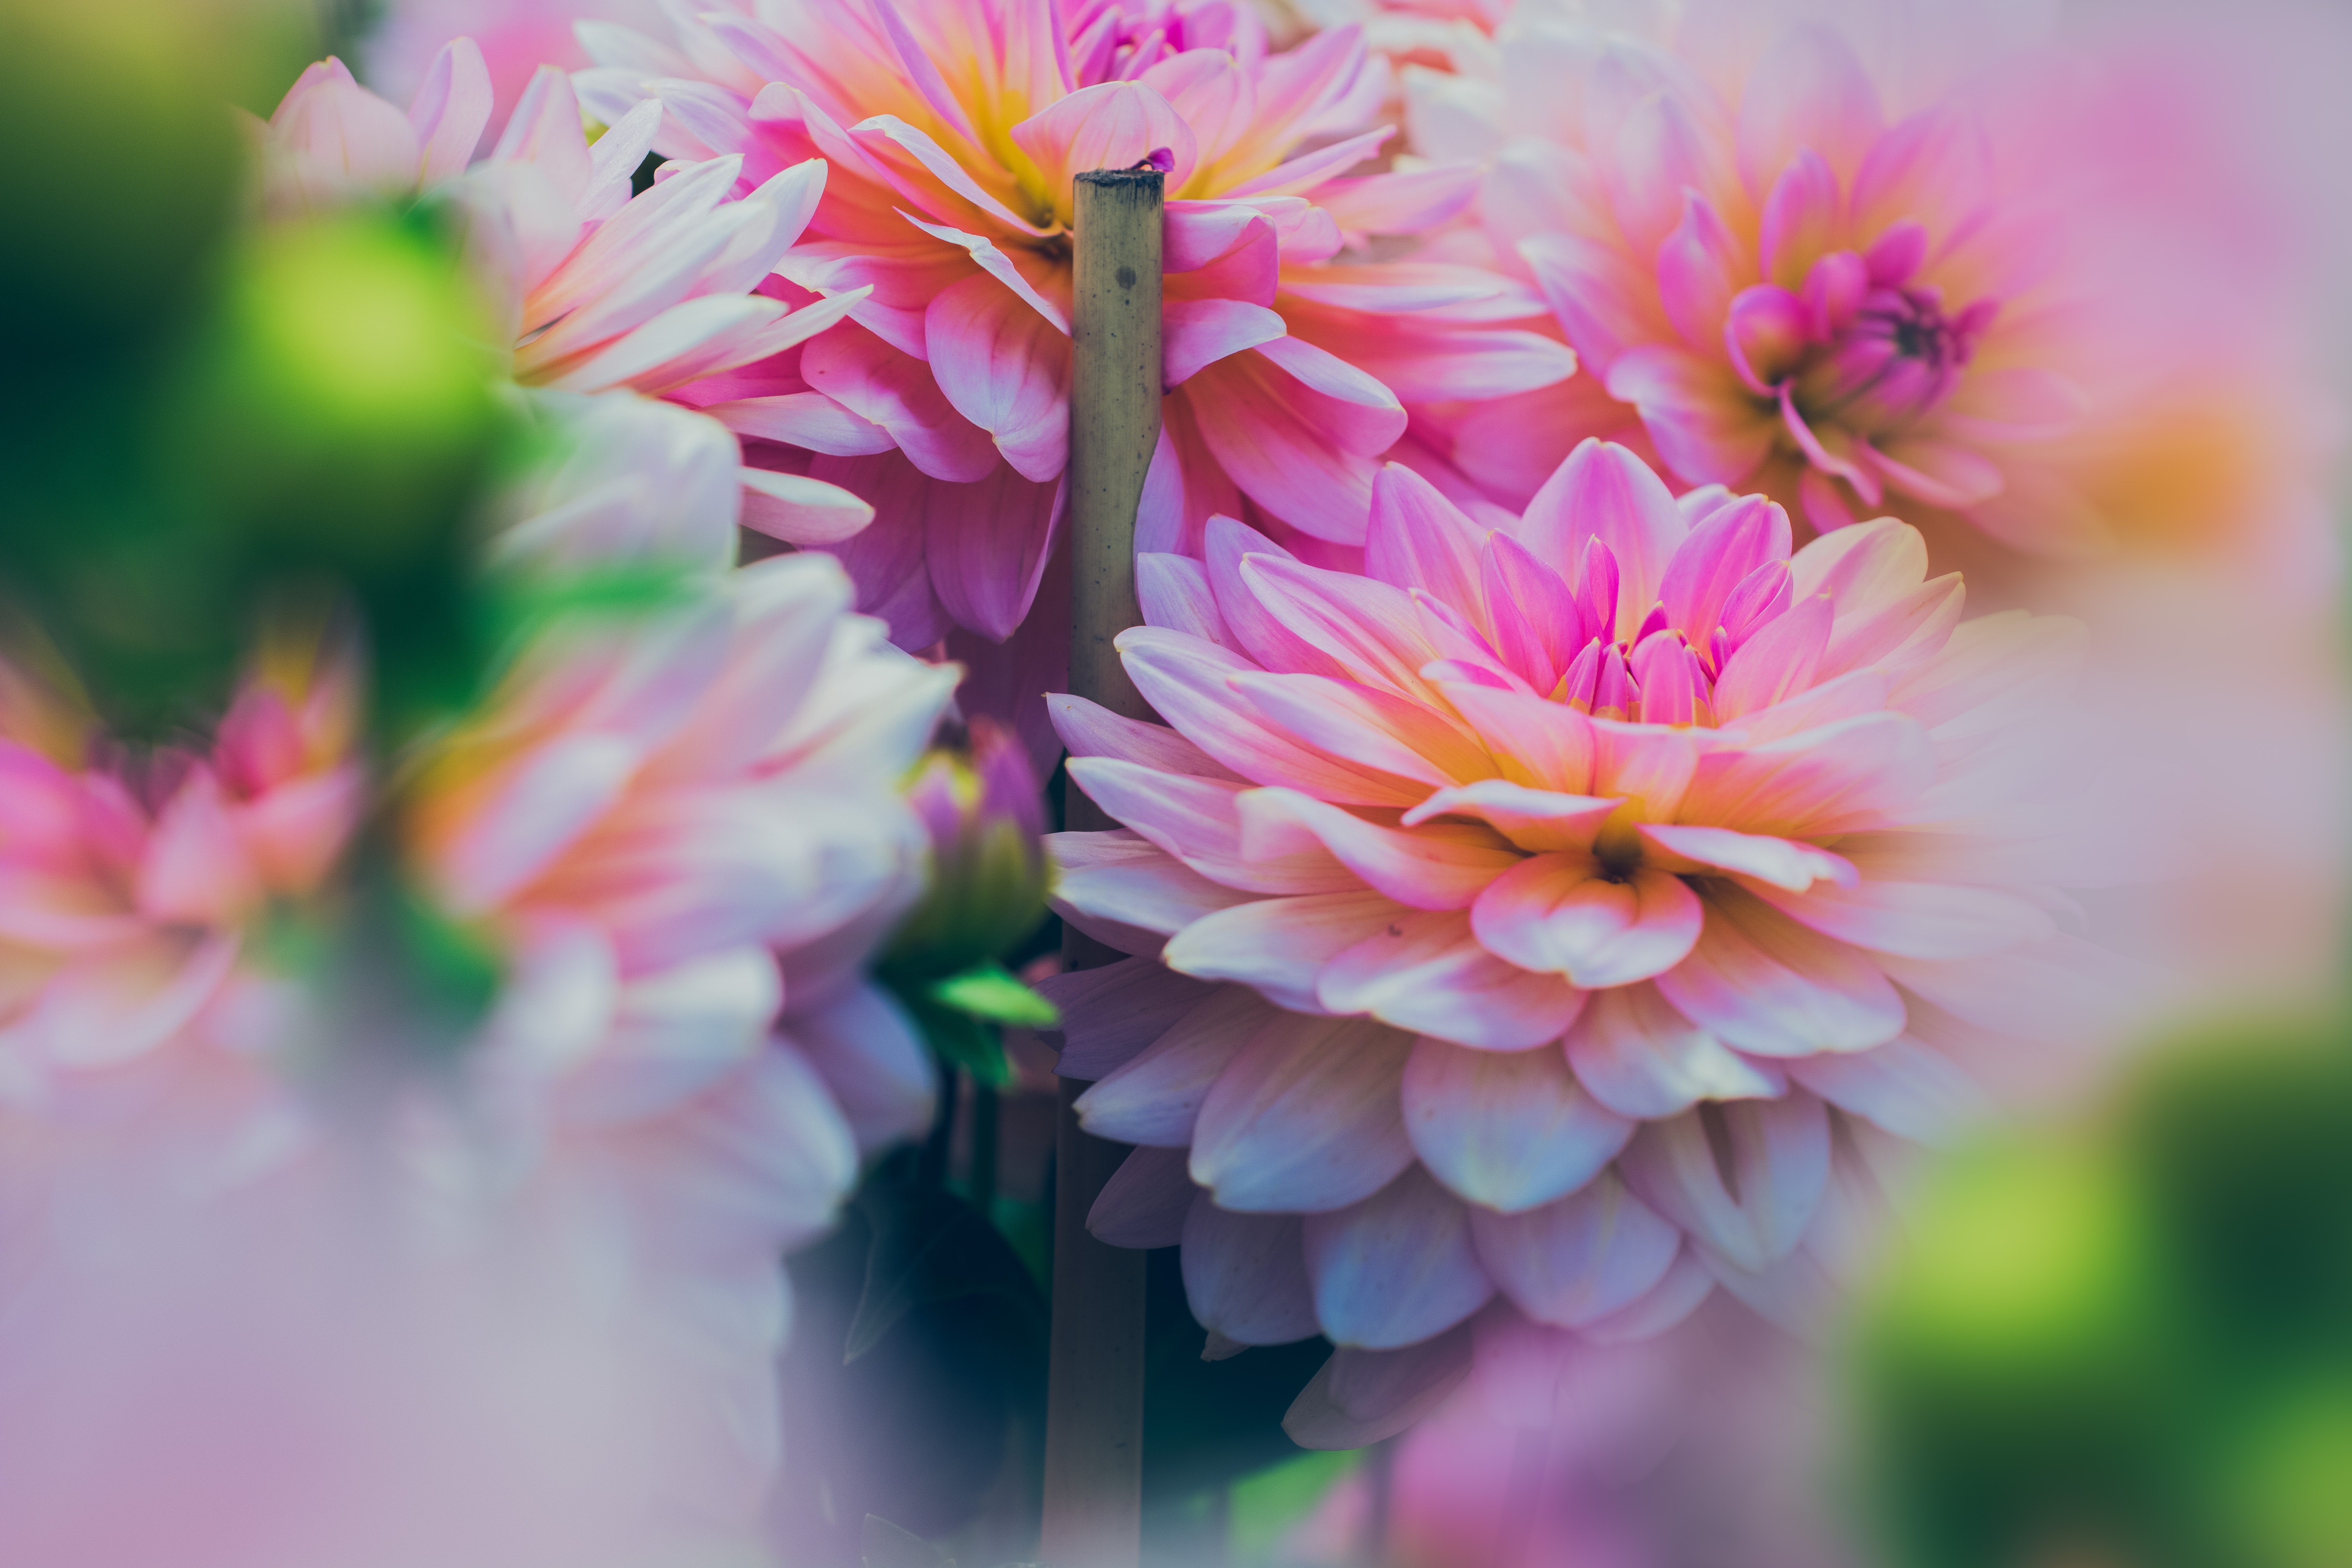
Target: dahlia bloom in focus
x=1580, y=911
x=954, y=130
x=599, y=291
x=1992, y=304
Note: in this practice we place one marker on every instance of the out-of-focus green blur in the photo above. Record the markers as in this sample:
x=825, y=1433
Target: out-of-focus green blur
x=2129, y=1345
x=204, y=412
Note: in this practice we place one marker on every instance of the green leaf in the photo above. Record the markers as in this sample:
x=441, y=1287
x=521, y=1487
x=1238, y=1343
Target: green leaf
x=930, y=1246
x=883, y=1544
x=988, y=990
x=1268, y=1506
x=963, y=1041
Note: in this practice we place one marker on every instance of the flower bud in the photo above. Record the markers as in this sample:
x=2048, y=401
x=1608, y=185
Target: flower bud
x=983, y=811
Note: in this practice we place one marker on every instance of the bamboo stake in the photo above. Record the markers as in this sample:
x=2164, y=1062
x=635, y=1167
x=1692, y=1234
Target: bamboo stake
x=1094, y=1421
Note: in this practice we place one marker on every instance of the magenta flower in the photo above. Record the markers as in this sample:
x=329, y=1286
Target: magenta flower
x=953, y=130
x=1784, y=278
x=1573, y=911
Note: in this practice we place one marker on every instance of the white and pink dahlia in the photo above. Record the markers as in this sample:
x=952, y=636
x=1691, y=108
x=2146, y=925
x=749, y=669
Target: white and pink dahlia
x=597, y=290
x=1570, y=912
x=683, y=837
x=954, y=129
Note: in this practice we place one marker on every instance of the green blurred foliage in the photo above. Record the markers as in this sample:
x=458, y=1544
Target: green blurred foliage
x=2131, y=1345
x=204, y=412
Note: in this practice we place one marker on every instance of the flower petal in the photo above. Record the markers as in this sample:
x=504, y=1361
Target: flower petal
x=1279, y=945
x=1396, y=1268
x=1604, y=491
x=1505, y=1130
x=1782, y=863
x=1006, y=369
x=1155, y=1098
x=1426, y=971
x=1761, y=983
x=1752, y=1201
x=1642, y=1059
x=1559, y=913
x=1305, y=1117
x=1112, y=1012
x=1575, y=1261
x=1438, y=869
x=1245, y=1275
x=1144, y=1202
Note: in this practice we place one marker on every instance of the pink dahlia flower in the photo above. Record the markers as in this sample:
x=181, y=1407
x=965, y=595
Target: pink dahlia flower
x=680, y=831
x=597, y=291
x=954, y=130
x=1579, y=911
x=1784, y=273
x=125, y=894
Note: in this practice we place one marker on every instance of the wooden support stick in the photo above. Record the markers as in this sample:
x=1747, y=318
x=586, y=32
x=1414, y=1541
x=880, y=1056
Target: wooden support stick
x=1094, y=1410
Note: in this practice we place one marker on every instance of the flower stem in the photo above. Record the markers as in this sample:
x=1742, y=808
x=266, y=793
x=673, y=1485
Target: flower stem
x=1094, y=1419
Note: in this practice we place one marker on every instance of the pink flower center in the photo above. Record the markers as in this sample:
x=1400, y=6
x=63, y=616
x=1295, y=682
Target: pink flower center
x=1900, y=357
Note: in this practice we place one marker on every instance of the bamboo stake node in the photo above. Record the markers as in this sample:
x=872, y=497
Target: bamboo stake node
x=1094, y=1423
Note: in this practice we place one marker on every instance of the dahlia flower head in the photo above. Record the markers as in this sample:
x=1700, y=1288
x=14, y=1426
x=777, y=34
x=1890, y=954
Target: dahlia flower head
x=598, y=290
x=1573, y=916
x=1984, y=303
x=124, y=892
x=953, y=129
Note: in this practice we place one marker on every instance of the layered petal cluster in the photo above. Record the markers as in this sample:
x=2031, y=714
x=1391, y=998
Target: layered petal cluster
x=597, y=289
x=677, y=832
x=1786, y=277
x=1579, y=911
x=953, y=130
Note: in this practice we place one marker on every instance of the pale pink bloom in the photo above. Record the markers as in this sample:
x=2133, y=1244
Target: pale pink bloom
x=597, y=291
x=678, y=830
x=954, y=129
x=1992, y=297
x=1583, y=910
